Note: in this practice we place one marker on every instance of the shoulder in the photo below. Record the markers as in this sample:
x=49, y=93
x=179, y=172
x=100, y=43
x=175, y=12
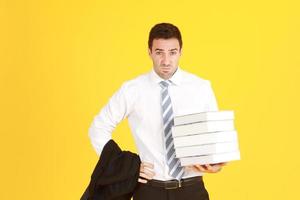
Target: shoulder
x=134, y=84
x=190, y=78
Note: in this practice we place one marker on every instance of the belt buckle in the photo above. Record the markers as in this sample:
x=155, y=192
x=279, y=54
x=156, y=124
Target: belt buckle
x=177, y=185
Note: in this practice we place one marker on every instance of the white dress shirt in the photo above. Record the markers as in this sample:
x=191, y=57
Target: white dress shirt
x=139, y=100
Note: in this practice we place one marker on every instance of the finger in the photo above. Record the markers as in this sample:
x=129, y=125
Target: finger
x=146, y=176
x=142, y=180
x=146, y=169
x=213, y=168
x=220, y=164
x=148, y=172
x=209, y=167
x=216, y=168
x=200, y=168
x=147, y=164
x=223, y=164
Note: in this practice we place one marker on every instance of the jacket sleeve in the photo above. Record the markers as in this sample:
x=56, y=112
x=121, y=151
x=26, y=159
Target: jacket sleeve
x=107, y=119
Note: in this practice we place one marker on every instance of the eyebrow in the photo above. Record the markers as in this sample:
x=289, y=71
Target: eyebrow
x=169, y=50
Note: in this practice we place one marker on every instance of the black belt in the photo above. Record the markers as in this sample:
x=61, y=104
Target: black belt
x=173, y=184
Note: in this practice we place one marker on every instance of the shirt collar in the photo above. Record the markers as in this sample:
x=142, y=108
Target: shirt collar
x=176, y=78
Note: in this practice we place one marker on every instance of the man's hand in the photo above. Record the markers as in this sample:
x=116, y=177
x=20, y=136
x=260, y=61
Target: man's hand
x=210, y=168
x=146, y=172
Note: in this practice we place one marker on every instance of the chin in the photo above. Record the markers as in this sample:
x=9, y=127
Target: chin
x=166, y=75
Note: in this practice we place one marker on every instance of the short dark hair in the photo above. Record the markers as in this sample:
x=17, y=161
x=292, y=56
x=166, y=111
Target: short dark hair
x=164, y=31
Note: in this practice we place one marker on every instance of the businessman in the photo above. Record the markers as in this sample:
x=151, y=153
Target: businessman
x=150, y=102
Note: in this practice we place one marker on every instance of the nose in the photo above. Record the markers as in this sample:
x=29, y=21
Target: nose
x=165, y=59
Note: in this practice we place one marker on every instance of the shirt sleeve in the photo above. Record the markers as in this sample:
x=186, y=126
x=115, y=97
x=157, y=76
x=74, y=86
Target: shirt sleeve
x=211, y=104
x=117, y=109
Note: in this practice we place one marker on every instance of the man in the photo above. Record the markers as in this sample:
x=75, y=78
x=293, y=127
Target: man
x=150, y=103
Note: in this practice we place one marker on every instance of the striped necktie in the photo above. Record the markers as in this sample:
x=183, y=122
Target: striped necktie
x=176, y=171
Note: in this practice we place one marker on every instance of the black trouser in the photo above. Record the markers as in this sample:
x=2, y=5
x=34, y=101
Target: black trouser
x=196, y=191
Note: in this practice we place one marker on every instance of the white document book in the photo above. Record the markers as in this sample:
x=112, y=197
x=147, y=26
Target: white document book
x=210, y=159
x=202, y=127
x=203, y=116
x=207, y=149
x=205, y=138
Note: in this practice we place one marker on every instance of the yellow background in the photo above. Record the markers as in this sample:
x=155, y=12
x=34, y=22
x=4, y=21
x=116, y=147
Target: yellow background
x=62, y=60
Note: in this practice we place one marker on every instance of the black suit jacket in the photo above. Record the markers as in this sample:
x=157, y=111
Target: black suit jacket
x=115, y=175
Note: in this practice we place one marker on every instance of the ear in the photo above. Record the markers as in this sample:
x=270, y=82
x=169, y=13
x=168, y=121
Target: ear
x=149, y=52
x=180, y=52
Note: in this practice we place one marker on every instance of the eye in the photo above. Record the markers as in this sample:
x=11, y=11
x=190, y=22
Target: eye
x=158, y=53
x=173, y=52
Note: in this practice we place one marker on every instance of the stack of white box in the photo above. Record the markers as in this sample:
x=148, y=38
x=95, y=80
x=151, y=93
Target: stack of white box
x=205, y=138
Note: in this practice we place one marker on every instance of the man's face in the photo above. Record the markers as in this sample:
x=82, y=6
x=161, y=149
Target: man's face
x=165, y=54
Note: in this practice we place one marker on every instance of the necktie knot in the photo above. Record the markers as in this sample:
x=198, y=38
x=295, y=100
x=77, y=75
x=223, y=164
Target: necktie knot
x=165, y=84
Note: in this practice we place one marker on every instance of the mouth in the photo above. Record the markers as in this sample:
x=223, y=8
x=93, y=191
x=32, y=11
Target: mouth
x=165, y=68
